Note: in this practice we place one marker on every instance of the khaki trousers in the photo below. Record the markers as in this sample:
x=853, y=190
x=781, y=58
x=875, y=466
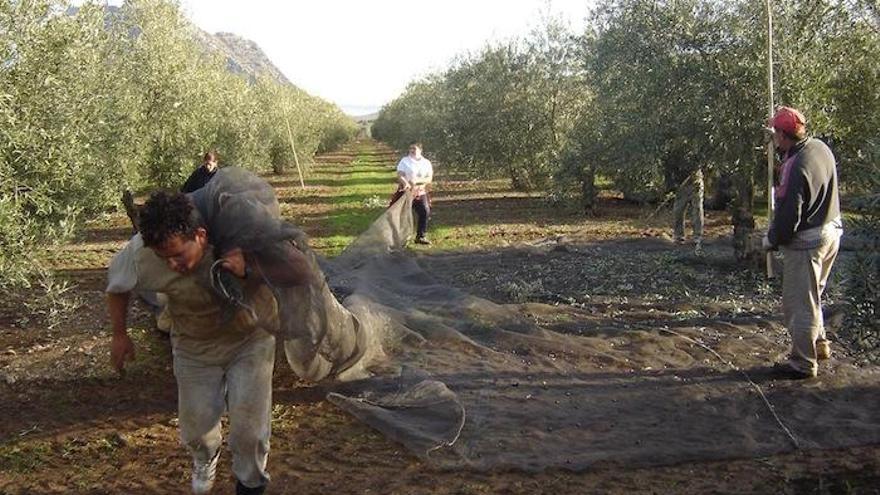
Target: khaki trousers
x=690, y=194
x=804, y=276
x=243, y=387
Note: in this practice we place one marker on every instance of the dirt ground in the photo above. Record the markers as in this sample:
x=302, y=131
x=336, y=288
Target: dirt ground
x=71, y=425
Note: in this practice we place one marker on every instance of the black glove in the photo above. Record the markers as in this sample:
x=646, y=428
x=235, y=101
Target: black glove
x=228, y=288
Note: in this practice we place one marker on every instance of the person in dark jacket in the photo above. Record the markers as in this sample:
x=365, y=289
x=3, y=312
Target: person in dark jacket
x=807, y=227
x=201, y=175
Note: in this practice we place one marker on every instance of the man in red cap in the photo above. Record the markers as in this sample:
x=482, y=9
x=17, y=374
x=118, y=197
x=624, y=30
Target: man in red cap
x=807, y=227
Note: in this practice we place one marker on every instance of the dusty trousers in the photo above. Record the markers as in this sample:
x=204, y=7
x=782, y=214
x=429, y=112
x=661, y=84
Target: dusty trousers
x=242, y=386
x=804, y=276
x=689, y=194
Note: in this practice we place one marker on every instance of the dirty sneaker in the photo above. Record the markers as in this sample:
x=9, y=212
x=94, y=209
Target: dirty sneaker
x=240, y=489
x=422, y=240
x=203, y=475
x=785, y=371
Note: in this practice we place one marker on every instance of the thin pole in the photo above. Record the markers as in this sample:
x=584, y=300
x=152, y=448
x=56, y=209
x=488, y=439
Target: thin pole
x=770, y=158
x=302, y=183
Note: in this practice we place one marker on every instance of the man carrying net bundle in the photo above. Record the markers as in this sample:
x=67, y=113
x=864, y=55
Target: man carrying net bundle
x=234, y=275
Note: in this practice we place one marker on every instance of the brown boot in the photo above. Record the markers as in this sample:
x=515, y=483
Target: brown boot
x=823, y=350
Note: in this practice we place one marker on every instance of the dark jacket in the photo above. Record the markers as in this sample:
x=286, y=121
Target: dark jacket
x=197, y=179
x=807, y=196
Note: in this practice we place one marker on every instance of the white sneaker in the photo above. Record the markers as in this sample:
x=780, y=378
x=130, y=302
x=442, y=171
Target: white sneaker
x=203, y=475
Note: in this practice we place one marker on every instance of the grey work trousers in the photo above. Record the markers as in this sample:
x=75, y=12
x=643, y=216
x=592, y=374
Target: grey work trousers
x=688, y=194
x=803, y=280
x=243, y=387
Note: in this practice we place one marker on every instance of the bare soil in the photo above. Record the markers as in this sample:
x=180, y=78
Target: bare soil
x=71, y=425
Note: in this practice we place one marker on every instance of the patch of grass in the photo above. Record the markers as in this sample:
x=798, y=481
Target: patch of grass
x=603, y=182
x=454, y=238
x=520, y=291
x=353, y=220
x=357, y=200
x=94, y=448
x=25, y=457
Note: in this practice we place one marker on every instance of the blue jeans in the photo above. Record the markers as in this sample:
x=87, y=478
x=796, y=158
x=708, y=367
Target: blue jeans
x=423, y=210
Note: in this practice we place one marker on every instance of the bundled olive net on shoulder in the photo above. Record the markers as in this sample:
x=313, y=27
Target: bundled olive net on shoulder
x=321, y=338
x=463, y=381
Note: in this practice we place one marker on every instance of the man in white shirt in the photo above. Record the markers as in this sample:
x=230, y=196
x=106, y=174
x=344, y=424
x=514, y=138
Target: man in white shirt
x=415, y=172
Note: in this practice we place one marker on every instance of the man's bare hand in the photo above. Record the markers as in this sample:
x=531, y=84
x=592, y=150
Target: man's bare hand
x=234, y=261
x=121, y=350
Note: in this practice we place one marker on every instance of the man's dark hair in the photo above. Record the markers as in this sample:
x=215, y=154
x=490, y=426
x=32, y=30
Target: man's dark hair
x=167, y=214
x=798, y=135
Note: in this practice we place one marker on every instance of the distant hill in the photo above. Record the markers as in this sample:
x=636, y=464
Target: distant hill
x=243, y=56
x=365, y=118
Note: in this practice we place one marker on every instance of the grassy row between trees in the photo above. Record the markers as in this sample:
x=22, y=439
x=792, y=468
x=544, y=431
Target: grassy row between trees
x=99, y=99
x=647, y=90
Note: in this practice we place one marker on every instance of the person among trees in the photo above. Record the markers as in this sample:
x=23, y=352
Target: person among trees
x=807, y=227
x=203, y=174
x=688, y=194
x=415, y=172
x=222, y=360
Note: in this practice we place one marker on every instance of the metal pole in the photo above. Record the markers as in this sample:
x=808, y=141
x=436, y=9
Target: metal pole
x=770, y=158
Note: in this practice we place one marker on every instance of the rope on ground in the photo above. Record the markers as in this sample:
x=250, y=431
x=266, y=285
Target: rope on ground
x=669, y=196
x=770, y=407
x=662, y=204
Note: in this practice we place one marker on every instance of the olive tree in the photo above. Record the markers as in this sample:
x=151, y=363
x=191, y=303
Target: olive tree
x=58, y=138
x=503, y=111
x=97, y=99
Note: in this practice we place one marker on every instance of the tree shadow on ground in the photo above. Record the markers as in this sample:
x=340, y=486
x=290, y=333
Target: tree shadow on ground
x=85, y=278
x=60, y=406
x=353, y=181
x=332, y=200
x=615, y=284
x=105, y=235
x=55, y=407
x=520, y=209
x=290, y=184
x=350, y=221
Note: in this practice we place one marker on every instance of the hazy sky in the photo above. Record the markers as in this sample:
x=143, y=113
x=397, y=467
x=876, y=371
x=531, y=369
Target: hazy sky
x=361, y=54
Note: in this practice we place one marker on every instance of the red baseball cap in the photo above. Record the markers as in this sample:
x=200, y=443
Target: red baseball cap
x=788, y=120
